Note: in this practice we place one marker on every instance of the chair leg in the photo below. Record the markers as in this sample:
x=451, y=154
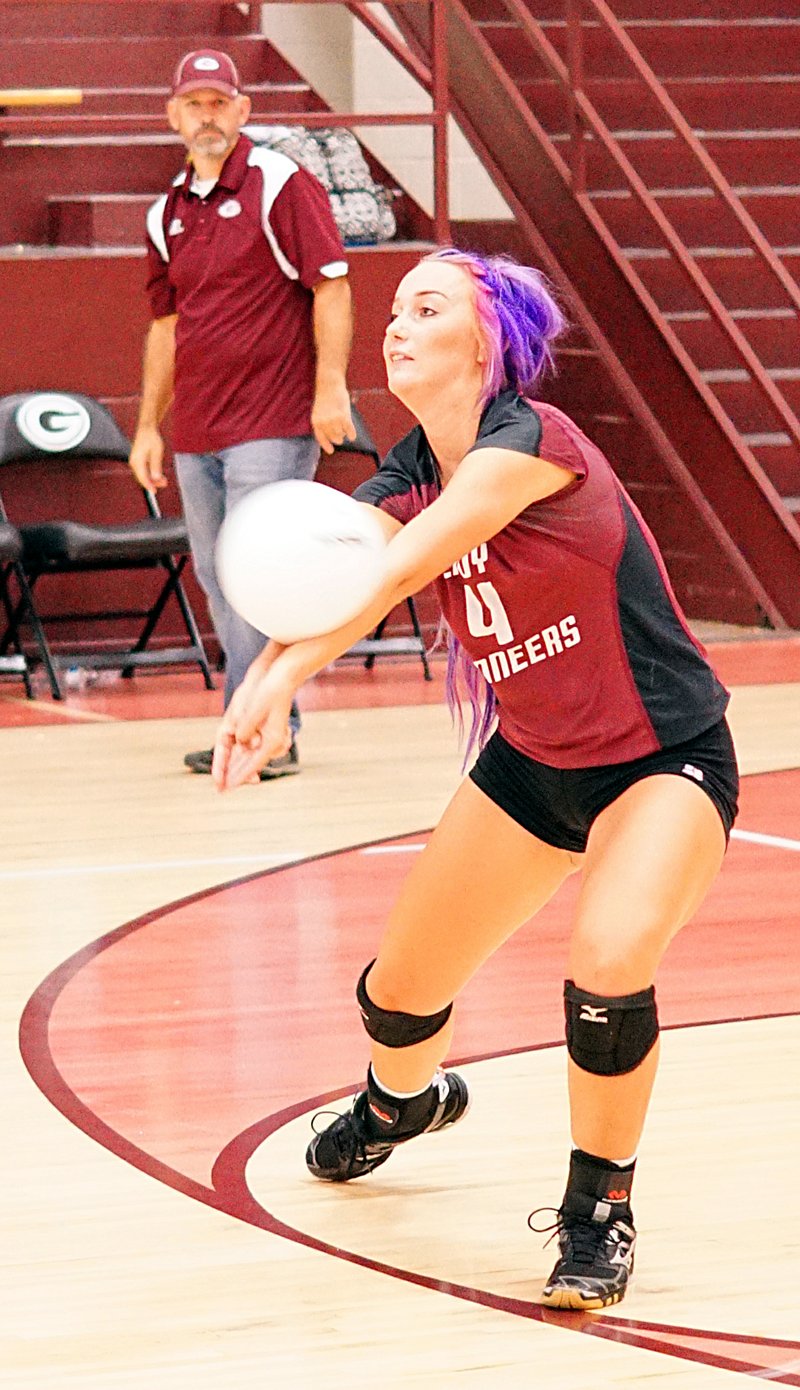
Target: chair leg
x=194, y=633
x=11, y=636
x=418, y=634
x=152, y=618
x=26, y=610
x=376, y=637
x=369, y=661
x=174, y=586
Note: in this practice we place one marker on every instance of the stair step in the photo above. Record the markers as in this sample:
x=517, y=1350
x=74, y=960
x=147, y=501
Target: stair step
x=129, y=62
x=765, y=158
x=117, y=101
x=100, y=219
x=700, y=48
x=32, y=170
x=582, y=389
x=780, y=460
x=700, y=215
x=647, y=9
x=55, y=18
x=112, y=142
x=739, y=277
x=711, y=103
x=773, y=334
x=746, y=405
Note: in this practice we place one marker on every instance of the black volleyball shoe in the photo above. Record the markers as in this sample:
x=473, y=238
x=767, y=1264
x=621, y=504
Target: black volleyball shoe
x=596, y=1259
x=363, y=1139
x=596, y=1235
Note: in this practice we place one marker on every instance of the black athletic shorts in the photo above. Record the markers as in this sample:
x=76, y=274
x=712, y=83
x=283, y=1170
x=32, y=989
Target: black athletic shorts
x=558, y=805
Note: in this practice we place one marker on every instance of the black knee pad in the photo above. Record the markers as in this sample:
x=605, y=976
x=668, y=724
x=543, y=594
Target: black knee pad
x=393, y=1029
x=609, y=1035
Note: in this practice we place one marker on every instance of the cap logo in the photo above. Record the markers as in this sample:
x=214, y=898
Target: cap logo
x=206, y=64
x=53, y=423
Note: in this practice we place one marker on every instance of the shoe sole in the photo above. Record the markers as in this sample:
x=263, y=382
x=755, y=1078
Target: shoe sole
x=573, y=1299
x=352, y=1177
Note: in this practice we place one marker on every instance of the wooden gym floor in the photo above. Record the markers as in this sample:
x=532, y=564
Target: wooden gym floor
x=176, y=998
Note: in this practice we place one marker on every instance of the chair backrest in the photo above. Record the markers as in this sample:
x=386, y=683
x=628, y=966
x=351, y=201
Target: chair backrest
x=50, y=424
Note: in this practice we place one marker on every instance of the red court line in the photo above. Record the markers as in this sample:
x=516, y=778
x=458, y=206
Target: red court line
x=277, y=953
x=196, y=1003
x=748, y=1355
x=188, y=1026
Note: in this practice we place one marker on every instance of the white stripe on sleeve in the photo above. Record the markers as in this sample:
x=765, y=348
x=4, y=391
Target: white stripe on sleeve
x=155, y=227
x=276, y=170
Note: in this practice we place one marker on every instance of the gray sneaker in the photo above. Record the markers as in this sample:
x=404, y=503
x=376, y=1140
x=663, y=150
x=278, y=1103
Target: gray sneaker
x=285, y=766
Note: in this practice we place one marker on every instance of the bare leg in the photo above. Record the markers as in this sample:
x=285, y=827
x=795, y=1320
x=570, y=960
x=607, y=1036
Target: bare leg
x=651, y=858
x=478, y=879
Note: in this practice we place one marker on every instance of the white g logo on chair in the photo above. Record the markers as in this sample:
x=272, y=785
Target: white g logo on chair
x=53, y=423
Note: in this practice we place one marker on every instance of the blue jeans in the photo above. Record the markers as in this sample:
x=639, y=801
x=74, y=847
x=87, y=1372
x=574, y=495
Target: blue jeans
x=212, y=484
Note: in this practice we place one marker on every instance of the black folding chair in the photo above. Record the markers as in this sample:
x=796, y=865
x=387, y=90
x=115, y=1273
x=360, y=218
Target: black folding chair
x=60, y=430
x=16, y=662
x=377, y=644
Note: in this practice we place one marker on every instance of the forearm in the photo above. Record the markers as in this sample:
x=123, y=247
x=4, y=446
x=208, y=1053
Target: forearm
x=304, y=659
x=255, y=724
x=158, y=373
x=333, y=330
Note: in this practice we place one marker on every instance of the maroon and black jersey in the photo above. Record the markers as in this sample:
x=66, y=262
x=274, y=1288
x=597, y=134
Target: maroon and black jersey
x=568, y=611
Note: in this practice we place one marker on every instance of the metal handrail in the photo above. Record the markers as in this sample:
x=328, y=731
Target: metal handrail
x=412, y=64
x=434, y=80
x=583, y=113
x=21, y=125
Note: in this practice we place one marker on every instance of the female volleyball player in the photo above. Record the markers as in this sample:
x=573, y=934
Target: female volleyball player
x=611, y=754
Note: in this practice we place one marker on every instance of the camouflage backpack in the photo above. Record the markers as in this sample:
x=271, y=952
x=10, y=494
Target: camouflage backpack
x=362, y=208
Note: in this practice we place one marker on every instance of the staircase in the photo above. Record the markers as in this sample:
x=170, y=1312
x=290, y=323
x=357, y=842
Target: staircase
x=711, y=451
x=76, y=182
x=698, y=417
x=85, y=175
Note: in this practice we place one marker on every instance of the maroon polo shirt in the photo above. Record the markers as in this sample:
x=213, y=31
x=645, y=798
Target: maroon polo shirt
x=238, y=267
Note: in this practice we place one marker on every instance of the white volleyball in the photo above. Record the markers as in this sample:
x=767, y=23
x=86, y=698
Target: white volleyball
x=298, y=559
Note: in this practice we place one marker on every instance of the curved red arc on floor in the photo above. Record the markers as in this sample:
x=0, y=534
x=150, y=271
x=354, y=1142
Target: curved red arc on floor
x=310, y=945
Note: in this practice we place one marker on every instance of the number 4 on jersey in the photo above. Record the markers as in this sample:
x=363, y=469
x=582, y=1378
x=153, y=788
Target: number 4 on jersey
x=486, y=616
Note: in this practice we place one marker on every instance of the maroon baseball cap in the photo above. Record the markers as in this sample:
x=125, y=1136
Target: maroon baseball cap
x=203, y=68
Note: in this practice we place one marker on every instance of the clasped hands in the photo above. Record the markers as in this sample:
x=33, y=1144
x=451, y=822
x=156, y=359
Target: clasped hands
x=255, y=726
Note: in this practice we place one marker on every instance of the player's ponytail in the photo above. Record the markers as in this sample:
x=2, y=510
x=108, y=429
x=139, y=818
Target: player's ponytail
x=464, y=678
x=518, y=317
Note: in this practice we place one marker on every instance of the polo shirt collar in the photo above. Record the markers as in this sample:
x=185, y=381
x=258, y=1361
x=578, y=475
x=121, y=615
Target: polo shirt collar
x=232, y=173
x=234, y=169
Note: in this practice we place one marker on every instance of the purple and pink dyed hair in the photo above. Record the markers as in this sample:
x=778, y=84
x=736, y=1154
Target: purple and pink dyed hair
x=519, y=321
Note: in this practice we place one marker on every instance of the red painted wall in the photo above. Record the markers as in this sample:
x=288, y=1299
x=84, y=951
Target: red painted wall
x=76, y=322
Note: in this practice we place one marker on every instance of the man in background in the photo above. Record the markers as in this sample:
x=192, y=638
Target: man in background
x=251, y=334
